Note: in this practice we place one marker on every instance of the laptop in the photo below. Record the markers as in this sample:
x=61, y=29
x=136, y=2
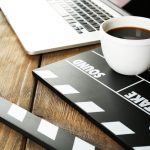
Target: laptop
x=50, y=25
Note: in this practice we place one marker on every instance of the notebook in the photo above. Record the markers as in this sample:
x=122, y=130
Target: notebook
x=50, y=25
x=117, y=104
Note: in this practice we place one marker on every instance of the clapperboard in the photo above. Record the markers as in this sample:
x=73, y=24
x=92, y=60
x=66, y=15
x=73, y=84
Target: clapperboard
x=118, y=104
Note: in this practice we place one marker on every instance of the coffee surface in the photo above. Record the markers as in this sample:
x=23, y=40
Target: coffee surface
x=130, y=33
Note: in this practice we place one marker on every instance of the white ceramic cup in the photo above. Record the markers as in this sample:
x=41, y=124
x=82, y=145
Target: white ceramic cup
x=126, y=56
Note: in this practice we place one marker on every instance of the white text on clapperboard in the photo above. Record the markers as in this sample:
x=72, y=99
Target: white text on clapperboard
x=140, y=101
x=96, y=73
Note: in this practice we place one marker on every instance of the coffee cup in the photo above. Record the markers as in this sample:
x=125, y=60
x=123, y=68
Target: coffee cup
x=127, y=54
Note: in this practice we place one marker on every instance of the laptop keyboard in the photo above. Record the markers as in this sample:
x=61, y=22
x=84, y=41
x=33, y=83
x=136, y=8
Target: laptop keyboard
x=82, y=15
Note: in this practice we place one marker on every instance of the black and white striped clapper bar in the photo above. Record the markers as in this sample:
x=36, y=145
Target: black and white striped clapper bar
x=39, y=130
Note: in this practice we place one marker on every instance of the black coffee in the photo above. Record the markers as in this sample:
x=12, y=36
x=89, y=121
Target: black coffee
x=130, y=33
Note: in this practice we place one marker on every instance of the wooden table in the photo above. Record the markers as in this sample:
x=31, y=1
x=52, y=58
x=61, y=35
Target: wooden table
x=19, y=86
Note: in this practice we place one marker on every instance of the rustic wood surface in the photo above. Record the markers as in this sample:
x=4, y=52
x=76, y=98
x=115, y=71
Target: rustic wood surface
x=16, y=80
x=18, y=85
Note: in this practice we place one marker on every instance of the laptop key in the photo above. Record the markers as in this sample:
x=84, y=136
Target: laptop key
x=88, y=27
x=100, y=20
x=96, y=26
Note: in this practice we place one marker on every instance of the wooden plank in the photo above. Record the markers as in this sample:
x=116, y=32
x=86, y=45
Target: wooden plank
x=16, y=80
x=51, y=107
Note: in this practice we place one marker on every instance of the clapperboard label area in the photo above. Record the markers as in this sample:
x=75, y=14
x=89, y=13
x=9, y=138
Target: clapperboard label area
x=118, y=104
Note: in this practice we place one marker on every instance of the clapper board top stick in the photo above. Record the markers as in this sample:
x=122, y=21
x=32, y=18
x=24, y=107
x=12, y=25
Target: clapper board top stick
x=40, y=130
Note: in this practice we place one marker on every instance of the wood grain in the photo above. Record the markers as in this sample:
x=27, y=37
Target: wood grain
x=51, y=107
x=16, y=80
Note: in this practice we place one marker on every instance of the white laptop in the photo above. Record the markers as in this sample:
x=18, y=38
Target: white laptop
x=50, y=25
